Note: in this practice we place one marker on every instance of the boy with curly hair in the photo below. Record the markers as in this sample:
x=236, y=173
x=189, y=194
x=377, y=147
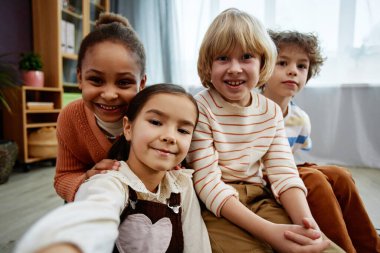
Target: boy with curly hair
x=330, y=188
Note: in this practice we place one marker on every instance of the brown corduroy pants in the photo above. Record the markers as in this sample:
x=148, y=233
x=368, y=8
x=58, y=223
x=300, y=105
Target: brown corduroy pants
x=336, y=205
x=226, y=237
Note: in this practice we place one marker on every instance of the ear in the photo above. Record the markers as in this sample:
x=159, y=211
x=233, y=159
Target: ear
x=127, y=128
x=143, y=82
x=79, y=78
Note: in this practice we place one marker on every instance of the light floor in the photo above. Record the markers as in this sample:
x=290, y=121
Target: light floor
x=28, y=196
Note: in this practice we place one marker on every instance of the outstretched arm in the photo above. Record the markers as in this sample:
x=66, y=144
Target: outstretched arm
x=60, y=248
x=90, y=222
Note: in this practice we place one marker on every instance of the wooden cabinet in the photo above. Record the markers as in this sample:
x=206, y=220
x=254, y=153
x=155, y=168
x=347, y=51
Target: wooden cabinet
x=28, y=115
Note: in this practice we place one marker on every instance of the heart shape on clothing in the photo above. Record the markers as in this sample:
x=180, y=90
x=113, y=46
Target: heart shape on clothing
x=138, y=234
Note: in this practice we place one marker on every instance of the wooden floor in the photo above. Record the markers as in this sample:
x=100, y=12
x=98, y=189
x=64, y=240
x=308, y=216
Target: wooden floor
x=28, y=196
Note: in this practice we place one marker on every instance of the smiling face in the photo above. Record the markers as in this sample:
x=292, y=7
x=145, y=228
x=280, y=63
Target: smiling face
x=290, y=73
x=160, y=135
x=235, y=74
x=109, y=78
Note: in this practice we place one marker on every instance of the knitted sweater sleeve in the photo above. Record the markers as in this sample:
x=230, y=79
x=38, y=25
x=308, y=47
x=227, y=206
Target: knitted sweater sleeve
x=78, y=150
x=203, y=158
x=70, y=171
x=279, y=161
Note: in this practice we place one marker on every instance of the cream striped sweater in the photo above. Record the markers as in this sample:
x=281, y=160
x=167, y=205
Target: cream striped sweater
x=233, y=144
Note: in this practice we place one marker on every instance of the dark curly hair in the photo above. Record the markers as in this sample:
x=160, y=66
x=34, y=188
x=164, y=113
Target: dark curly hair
x=115, y=28
x=307, y=41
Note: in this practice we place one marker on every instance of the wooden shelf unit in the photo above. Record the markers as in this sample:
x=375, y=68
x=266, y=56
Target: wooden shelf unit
x=22, y=121
x=60, y=65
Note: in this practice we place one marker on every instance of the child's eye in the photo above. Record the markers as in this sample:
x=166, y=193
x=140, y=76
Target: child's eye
x=126, y=83
x=302, y=66
x=95, y=80
x=155, y=122
x=247, y=56
x=222, y=58
x=184, y=131
x=281, y=63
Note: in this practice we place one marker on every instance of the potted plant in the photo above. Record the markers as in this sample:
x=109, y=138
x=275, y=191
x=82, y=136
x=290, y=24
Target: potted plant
x=31, y=67
x=9, y=80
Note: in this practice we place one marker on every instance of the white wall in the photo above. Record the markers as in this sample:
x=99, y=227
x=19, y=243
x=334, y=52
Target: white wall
x=345, y=124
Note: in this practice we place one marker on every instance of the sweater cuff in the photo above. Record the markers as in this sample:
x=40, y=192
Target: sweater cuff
x=216, y=203
x=295, y=183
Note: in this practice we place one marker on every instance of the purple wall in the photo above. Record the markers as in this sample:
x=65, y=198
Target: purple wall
x=16, y=32
x=16, y=28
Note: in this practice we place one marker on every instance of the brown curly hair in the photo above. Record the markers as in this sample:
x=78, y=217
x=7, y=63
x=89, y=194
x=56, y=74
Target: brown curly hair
x=306, y=41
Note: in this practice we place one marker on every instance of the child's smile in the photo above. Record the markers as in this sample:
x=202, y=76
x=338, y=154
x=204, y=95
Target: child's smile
x=235, y=74
x=111, y=108
x=167, y=130
x=164, y=152
x=234, y=84
x=109, y=79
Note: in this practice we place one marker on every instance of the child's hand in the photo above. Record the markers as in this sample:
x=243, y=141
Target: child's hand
x=309, y=223
x=295, y=238
x=304, y=239
x=102, y=167
x=60, y=248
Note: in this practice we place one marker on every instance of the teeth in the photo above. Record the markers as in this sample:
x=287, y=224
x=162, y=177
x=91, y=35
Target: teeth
x=106, y=107
x=236, y=83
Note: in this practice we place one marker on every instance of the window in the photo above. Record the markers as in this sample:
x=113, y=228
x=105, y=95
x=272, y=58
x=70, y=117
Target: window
x=349, y=32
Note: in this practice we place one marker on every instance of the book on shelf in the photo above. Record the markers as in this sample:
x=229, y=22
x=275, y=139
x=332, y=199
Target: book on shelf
x=40, y=105
x=70, y=37
x=63, y=36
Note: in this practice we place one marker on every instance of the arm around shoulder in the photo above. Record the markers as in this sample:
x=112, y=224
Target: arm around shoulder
x=70, y=166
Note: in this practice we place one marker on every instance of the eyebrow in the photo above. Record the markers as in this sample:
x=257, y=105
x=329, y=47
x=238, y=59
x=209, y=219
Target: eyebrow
x=287, y=57
x=160, y=113
x=102, y=73
x=89, y=71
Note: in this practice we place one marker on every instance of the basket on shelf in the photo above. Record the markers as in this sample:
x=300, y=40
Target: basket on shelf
x=43, y=143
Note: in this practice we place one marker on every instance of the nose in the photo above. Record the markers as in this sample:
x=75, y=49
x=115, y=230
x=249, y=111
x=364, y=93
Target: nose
x=292, y=70
x=168, y=137
x=235, y=67
x=109, y=93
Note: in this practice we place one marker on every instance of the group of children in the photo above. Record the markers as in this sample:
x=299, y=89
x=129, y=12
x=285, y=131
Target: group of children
x=122, y=149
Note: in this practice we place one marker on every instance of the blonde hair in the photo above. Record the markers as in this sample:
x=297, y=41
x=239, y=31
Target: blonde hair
x=230, y=28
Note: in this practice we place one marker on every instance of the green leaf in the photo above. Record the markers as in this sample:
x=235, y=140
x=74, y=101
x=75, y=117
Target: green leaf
x=9, y=80
x=30, y=61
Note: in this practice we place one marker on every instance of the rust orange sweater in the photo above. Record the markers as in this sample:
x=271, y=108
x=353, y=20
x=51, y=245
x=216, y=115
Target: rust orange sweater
x=81, y=144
